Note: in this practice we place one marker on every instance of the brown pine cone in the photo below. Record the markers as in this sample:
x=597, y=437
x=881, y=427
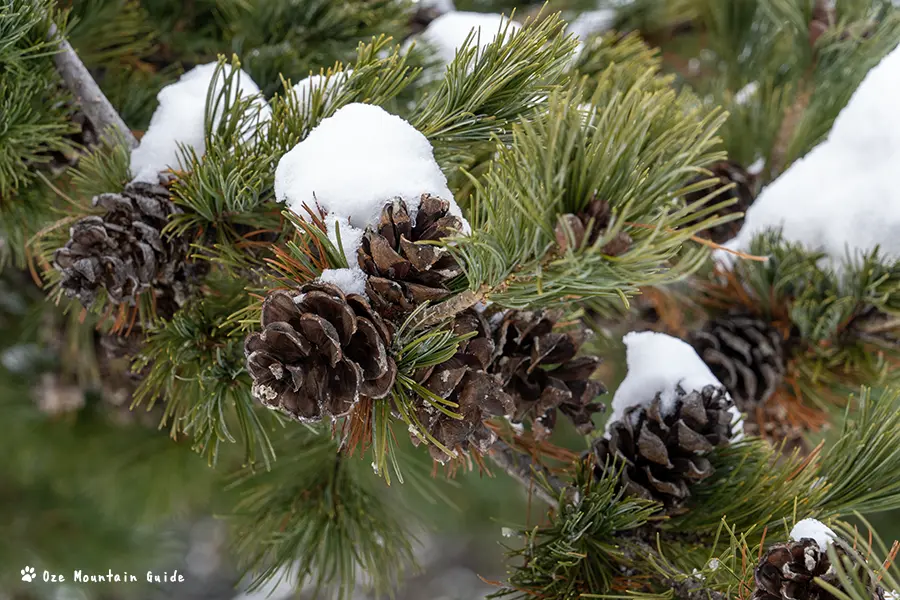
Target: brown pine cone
x=318, y=352
x=404, y=271
x=83, y=140
x=588, y=226
x=727, y=172
x=662, y=453
x=746, y=354
x=538, y=368
x=124, y=251
x=787, y=571
x=463, y=379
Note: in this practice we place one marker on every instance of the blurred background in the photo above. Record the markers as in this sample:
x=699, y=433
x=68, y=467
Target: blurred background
x=88, y=484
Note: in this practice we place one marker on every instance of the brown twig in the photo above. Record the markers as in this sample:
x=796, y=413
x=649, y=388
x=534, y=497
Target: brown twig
x=97, y=108
x=521, y=468
x=885, y=326
x=704, y=242
x=437, y=313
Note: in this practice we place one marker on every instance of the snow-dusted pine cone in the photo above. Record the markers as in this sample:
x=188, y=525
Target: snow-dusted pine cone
x=662, y=447
x=404, y=269
x=319, y=351
x=787, y=571
x=538, y=367
x=463, y=379
x=123, y=250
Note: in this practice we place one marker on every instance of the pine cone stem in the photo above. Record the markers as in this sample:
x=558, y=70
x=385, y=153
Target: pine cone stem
x=438, y=313
x=98, y=109
x=521, y=468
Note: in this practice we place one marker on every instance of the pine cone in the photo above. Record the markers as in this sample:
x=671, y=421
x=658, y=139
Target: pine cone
x=538, y=368
x=590, y=225
x=318, y=352
x=83, y=140
x=787, y=571
x=663, y=452
x=422, y=17
x=746, y=354
x=463, y=379
x=727, y=172
x=404, y=272
x=124, y=250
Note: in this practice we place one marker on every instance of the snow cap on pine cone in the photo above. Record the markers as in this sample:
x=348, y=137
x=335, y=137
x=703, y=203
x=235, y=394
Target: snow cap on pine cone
x=842, y=196
x=662, y=364
x=816, y=530
x=355, y=162
x=179, y=119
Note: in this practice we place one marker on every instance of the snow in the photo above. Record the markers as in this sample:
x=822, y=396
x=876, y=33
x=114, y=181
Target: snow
x=660, y=364
x=350, y=236
x=355, y=162
x=591, y=22
x=810, y=528
x=842, y=198
x=349, y=281
x=757, y=166
x=747, y=92
x=329, y=86
x=440, y=6
x=179, y=119
x=447, y=33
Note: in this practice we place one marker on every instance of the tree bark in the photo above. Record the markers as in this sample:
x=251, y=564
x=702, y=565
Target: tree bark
x=95, y=105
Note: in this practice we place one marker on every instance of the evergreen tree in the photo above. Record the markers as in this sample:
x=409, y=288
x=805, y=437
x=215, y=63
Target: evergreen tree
x=297, y=264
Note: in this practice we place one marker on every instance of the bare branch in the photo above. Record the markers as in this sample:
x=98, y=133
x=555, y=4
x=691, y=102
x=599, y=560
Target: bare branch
x=521, y=468
x=97, y=108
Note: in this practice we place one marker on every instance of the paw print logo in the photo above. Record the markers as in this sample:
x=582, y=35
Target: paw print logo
x=27, y=574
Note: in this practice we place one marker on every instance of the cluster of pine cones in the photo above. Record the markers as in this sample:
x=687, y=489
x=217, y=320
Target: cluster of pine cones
x=320, y=350
x=123, y=252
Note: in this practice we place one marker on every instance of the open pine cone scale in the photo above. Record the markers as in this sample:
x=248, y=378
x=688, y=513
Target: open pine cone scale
x=318, y=352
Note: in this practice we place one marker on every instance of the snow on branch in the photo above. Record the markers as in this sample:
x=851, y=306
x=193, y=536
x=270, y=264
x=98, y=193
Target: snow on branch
x=180, y=119
x=842, y=198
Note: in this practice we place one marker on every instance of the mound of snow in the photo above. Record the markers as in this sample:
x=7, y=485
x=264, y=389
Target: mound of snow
x=843, y=196
x=179, y=119
x=816, y=530
x=660, y=364
x=447, y=33
x=355, y=162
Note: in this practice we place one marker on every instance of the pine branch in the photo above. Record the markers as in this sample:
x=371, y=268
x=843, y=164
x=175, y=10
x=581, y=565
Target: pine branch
x=94, y=103
x=521, y=468
x=693, y=589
